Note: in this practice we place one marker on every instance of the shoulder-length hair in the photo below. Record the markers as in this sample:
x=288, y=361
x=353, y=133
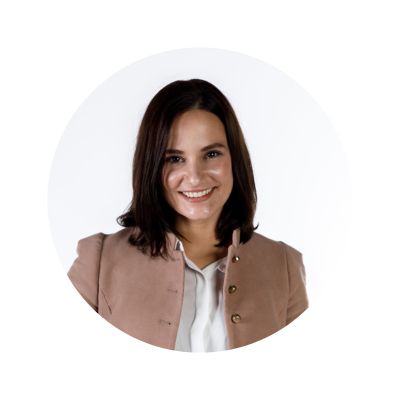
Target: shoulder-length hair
x=149, y=210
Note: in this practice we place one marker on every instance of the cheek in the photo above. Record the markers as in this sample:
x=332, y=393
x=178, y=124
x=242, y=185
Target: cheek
x=170, y=180
x=222, y=171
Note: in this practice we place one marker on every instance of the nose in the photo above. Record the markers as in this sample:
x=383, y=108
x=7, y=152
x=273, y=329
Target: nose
x=194, y=172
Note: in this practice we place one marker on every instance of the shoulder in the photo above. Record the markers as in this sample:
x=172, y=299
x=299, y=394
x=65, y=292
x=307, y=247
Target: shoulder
x=92, y=247
x=287, y=259
x=97, y=240
x=285, y=255
x=115, y=237
x=118, y=237
x=89, y=247
x=262, y=244
x=264, y=250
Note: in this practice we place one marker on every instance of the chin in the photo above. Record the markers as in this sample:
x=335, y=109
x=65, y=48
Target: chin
x=197, y=216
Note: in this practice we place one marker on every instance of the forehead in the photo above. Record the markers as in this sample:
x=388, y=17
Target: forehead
x=196, y=127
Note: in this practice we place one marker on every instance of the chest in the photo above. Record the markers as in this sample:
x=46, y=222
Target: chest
x=146, y=299
x=206, y=256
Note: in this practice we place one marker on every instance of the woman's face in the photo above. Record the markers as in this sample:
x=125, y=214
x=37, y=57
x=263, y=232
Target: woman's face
x=197, y=173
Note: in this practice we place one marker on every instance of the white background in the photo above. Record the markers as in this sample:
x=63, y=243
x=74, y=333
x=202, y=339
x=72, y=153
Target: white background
x=345, y=54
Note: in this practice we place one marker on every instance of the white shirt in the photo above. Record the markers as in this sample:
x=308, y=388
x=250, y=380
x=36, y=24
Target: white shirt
x=202, y=324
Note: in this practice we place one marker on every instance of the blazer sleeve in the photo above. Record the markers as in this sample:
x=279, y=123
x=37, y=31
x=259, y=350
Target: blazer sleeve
x=298, y=300
x=84, y=272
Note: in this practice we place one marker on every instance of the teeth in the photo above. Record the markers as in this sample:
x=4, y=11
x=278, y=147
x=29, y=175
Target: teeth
x=197, y=194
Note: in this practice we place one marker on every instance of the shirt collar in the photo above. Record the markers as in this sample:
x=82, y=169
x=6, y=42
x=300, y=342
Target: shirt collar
x=219, y=265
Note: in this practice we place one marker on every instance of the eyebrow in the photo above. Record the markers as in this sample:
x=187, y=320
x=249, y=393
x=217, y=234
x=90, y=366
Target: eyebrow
x=209, y=147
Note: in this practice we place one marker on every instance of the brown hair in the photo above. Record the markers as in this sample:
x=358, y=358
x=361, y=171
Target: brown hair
x=148, y=210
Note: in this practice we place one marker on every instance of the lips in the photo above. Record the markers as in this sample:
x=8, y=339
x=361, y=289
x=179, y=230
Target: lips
x=197, y=195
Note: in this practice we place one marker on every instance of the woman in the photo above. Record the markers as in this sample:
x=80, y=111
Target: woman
x=188, y=272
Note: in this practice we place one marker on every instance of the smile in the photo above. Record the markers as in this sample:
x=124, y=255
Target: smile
x=197, y=194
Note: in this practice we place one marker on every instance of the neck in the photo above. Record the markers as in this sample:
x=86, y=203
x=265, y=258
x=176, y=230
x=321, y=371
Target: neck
x=197, y=231
x=199, y=242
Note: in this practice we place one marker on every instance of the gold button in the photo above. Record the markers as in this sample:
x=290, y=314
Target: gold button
x=235, y=318
x=235, y=259
x=232, y=289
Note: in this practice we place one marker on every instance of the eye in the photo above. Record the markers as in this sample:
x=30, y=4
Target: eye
x=213, y=154
x=173, y=159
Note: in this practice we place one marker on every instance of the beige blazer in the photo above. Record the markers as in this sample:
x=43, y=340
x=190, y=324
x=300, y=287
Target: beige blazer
x=263, y=291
